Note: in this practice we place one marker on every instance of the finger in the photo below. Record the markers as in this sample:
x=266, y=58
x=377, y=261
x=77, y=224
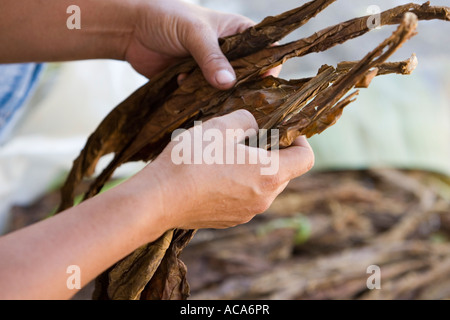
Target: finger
x=239, y=123
x=281, y=188
x=204, y=47
x=275, y=72
x=181, y=77
x=240, y=24
x=295, y=160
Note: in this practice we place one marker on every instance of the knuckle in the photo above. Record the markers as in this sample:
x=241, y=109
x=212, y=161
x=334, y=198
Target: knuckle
x=262, y=206
x=247, y=218
x=237, y=23
x=218, y=123
x=195, y=26
x=261, y=200
x=310, y=161
x=213, y=59
x=248, y=116
x=270, y=182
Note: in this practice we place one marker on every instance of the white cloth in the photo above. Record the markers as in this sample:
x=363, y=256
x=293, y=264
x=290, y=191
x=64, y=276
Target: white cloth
x=70, y=102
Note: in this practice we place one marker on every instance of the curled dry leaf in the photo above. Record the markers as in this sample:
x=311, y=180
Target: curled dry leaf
x=140, y=127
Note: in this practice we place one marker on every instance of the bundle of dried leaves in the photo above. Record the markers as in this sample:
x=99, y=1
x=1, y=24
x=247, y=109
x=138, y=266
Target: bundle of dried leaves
x=141, y=126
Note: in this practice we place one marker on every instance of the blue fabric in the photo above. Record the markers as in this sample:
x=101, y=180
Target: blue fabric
x=17, y=82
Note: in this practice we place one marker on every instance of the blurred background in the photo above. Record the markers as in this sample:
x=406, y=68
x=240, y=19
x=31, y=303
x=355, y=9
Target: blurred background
x=379, y=193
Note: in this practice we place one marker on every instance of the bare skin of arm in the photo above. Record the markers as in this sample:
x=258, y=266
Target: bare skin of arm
x=100, y=231
x=150, y=35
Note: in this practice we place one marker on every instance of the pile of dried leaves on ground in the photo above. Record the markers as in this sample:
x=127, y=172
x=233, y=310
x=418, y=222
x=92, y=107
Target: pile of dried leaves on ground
x=319, y=238
x=141, y=126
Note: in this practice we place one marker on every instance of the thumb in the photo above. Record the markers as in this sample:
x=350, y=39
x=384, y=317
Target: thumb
x=204, y=47
x=239, y=121
x=296, y=159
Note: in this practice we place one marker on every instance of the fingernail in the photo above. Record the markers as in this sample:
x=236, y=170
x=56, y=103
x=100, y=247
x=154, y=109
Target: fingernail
x=181, y=77
x=224, y=77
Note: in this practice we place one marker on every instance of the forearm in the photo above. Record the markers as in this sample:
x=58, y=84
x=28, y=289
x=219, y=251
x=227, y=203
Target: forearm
x=92, y=236
x=36, y=30
x=100, y=231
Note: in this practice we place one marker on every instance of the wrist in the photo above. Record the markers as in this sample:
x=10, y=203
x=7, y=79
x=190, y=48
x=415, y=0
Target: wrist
x=109, y=28
x=149, y=198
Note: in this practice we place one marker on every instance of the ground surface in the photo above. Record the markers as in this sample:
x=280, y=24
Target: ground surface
x=322, y=238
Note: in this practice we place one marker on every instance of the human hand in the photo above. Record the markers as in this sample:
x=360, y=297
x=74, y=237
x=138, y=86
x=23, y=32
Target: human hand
x=150, y=35
x=204, y=195
x=167, y=30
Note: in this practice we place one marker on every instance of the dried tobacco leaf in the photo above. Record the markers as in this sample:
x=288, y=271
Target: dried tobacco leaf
x=141, y=126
